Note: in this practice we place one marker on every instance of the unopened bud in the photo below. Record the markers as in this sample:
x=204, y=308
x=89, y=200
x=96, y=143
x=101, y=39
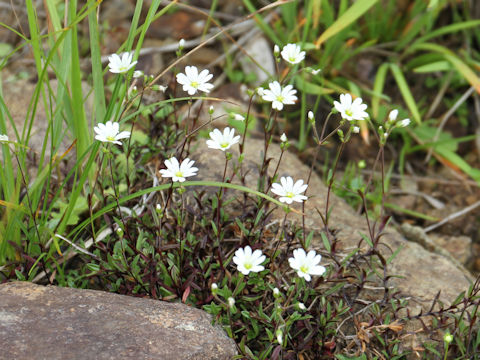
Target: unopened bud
x=181, y=44
x=211, y=109
x=279, y=335
x=238, y=117
x=448, y=338
x=276, y=292
x=214, y=288
x=283, y=138
x=276, y=50
x=393, y=115
x=231, y=302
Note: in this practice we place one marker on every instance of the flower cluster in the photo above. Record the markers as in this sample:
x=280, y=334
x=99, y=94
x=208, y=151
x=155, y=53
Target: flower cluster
x=305, y=264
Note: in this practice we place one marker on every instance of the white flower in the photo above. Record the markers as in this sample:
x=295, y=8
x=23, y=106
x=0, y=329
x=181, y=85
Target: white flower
x=306, y=264
x=310, y=115
x=121, y=65
x=283, y=138
x=214, y=288
x=158, y=207
x=288, y=191
x=231, y=302
x=223, y=141
x=137, y=73
x=247, y=261
x=109, y=132
x=292, y=53
x=315, y=71
x=3, y=138
x=276, y=292
x=351, y=110
x=192, y=81
x=279, y=96
x=177, y=171
x=239, y=117
x=404, y=122
x=356, y=129
x=261, y=91
x=301, y=306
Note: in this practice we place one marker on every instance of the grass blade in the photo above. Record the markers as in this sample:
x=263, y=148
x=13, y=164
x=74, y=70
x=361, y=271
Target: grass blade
x=352, y=14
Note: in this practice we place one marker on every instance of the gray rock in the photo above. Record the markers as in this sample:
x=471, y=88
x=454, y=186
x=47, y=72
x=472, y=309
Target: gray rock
x=38, y=322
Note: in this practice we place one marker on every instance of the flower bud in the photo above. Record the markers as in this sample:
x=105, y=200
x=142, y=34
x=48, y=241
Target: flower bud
x=238, y=117
x=119, y=232
x=301, y=306
x=404, y=122
x=181, y=44
x=214, y=288
x=448, y=338
x=231, y=302
x=276, y=293
x=356, y=129
x=283, y=138
x=279, y=335
x=393, y=115
x=276, y=50
x=137, y=74
x=211, y=109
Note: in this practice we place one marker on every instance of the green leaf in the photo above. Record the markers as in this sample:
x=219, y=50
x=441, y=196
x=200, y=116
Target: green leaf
x=468, y=74
x=348, y=17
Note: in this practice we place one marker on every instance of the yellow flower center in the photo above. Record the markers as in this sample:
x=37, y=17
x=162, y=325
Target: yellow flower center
x=224, y=145
x=290, y=194
x=280, y=98
x=292, y=58
x=194, y=84
x=349, y=112
x=179, y=174
x=304, y=269
x=111, y=138
x=248, y=265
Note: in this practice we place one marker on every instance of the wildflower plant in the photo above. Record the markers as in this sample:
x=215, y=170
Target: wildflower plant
x=141, y=220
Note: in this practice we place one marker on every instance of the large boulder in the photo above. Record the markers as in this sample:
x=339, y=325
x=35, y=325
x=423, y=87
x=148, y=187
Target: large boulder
x=38, y=322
